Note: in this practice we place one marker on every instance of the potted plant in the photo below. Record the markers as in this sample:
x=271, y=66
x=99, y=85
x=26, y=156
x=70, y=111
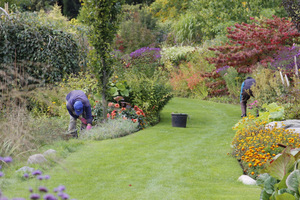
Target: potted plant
x=179, y=120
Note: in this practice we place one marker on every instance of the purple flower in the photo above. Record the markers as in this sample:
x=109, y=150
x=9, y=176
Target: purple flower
x=49, y=197
x=63, y=196
x=40, y=177
x=4, y=198
x=43, y=189
x=285, y=58
x=34, y=196
x=146, y=51
x=26, y=175
x=30, y=190
x=60, y=188
x=222, y=69
x=46, y=177
x=18, y=198
x=7, y=159
x=37, y=172
x=0, y=166
x=1, y=174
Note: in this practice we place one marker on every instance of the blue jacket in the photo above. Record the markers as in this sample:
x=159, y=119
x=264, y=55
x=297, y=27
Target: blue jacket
x=246, y=85
x=78, y=95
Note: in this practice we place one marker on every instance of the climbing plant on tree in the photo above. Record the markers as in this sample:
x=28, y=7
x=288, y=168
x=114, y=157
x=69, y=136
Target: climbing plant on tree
x=102, y=17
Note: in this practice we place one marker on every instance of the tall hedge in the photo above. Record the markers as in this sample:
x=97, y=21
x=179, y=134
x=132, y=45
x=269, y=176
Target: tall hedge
x=31, y=49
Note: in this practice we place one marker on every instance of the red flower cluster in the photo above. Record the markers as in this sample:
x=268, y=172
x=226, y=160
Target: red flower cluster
x=139, y=111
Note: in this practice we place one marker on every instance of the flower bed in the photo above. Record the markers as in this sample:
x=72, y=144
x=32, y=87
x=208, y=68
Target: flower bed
x=255, y=144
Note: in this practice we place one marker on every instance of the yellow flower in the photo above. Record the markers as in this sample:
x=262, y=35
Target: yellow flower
x=244, y=3
x=54, y=102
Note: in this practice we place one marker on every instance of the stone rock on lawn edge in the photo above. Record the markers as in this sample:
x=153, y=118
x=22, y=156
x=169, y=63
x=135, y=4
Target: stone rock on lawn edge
x=49, y=152
x=26, y=169
x=247, y=180
x=292, y=124
x=36, y=158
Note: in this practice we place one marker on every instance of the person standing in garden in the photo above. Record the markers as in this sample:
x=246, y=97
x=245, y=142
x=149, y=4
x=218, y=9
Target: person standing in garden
x=245, y=94
x=79, y=107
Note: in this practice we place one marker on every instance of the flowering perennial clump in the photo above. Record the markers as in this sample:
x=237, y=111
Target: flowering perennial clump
x=134, y=114
x=145, y=51
x=256, y=144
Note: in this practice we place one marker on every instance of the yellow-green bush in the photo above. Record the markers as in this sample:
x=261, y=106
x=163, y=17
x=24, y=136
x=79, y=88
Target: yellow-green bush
x=268, y=87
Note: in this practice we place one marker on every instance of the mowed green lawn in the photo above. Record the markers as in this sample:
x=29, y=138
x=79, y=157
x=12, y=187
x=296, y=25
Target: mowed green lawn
x=160, y=162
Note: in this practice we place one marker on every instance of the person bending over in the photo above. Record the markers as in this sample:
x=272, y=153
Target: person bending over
x=79, y=107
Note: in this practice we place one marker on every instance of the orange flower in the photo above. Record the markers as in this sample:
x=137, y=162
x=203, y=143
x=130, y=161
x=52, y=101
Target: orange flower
x=108, y=115
x=134, y=120
x=123, y=109
x=110, y=104
x=117, y=105
x=136, y=108
x=138, y=112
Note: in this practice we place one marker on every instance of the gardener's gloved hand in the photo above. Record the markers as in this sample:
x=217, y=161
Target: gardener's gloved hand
x=83, y=120
x=88, y=127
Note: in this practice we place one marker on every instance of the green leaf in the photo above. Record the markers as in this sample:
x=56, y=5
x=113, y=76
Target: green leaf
x=285, y=196
x=282, y=165
x=277, y=115
x=121, y=86
x=125, y=93
x=264, y=195
x=269, y=185
x=282, y=183
x=113, y=91
x=262, y=178
x=293, y=181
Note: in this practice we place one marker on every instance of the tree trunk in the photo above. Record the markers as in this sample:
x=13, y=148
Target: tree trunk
x=104, y=79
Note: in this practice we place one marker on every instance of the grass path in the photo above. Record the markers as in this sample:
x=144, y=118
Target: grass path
x=161, y=162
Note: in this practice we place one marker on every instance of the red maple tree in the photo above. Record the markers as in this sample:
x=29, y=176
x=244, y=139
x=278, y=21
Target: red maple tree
x=254, y=43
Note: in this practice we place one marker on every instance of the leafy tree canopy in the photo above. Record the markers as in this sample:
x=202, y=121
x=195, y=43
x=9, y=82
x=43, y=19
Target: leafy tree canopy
x=293, y=9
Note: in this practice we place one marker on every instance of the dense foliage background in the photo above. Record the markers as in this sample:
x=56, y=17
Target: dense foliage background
x=160, y=49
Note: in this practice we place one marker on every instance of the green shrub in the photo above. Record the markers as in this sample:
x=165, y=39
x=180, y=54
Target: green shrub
x=176, y=54
x=291, y=100
x=233, y=82
x=137, y=30
x=151, y=94
x=189, y=78
x=268, y=87
x=145, y=61
x=34, y=50
x=84, y=81
x=186, y=29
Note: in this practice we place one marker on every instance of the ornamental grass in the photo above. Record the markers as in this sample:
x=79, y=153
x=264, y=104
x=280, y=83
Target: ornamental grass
x=256, y=143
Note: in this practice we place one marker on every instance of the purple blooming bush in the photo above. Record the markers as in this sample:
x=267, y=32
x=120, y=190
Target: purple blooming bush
x=286, y=59
x=223, y=70
x=145, y=60
x=147, y=51
x=41, y=191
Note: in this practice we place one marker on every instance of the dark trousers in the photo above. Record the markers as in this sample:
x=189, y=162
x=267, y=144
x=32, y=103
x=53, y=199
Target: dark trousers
x=245, y=97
